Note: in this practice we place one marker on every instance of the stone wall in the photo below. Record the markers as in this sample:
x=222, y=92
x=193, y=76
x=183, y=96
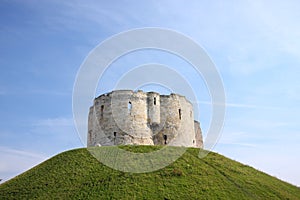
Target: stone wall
x=198, y=134
x=127, y=117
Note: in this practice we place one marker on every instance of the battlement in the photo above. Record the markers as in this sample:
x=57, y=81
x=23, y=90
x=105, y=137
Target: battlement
x=143, y=118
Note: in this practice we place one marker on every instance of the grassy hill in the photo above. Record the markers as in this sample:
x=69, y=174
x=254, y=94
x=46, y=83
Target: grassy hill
x=76, y=174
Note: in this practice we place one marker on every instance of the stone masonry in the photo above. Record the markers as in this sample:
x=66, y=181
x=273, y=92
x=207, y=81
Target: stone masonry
x=126, y=117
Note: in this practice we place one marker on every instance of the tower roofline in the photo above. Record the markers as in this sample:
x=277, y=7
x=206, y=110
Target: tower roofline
x=151, y=92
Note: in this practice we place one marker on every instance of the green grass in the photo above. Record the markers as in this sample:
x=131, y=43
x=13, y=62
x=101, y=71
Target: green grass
x=76, y=174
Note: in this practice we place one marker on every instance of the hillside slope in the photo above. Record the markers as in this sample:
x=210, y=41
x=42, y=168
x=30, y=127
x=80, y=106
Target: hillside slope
x=76, y=174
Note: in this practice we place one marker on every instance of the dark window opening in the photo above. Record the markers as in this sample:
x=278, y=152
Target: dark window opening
x=193, y=141
x=179, y=112
x=165, y=138
x=101, y=113
x=129, y=106
x=115, y=134
x=154, y=101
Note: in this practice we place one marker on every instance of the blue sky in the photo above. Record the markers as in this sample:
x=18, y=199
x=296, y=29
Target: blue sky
x=254, y=44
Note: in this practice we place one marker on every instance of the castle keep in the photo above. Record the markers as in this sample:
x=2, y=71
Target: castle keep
x=142, y=118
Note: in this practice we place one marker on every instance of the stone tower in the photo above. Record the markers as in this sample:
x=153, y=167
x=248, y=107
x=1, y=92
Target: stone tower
x=142, y=118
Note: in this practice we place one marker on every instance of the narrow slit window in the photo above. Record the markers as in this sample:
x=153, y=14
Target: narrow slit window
x=154, y=101
x=115, y=134
x=179, y=112
x=101, y=112
x=165, y=138
x=129, y=106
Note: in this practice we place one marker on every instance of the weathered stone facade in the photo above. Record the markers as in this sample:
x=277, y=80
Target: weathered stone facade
x=139, y=118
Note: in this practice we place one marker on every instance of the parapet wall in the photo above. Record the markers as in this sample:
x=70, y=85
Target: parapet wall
x=125, y=117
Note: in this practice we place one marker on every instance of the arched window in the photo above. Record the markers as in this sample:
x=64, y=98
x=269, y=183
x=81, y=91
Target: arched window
x=154, y=101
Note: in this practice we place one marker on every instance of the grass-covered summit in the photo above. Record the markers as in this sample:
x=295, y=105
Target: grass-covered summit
x=76, y=174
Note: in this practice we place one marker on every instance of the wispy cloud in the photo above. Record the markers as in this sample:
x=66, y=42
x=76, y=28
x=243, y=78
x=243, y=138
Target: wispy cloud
x=255, y=44
x=238, y=105
x=50, y=92
x=54, y=122
x=60, y=130
x=274, y=37
x=281, y=28
x=15, y=161
x=45, y=138
x=250, y=145
x=17, y=152
x=75, y=16
x=239, y=138
x=19, y=91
